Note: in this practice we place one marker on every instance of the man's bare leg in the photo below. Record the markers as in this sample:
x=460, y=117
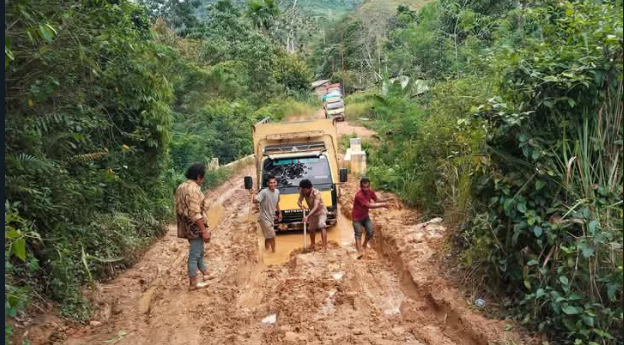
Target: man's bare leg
x=324, y=239
x=266, y=243
x=272, y=243
x=366, y=239
x=312, y=238
x=358, y=247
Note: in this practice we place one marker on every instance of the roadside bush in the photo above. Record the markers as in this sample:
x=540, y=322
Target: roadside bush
x=87, y=115
x=550, y=204
x=434, y=153
x=532, y=185
x=279, y=110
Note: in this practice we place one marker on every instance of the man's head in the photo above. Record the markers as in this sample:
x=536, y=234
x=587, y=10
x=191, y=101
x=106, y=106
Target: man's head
x=306, y=187
x=196, y=172
x=271, y=182
x=365, y=184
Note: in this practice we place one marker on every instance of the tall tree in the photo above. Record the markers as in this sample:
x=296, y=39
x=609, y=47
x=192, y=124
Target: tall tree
x=263, y=13
x=178, y=14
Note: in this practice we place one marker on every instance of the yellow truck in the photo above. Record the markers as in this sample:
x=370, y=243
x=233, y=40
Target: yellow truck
x=293, y=151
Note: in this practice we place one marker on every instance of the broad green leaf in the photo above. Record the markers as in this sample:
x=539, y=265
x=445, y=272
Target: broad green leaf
x=574, y=297
x=522, y=207
x=12, y=234
x=588, y=251
x=522, y=137
x=539, y=185
x=564, y=280
x=46, y=32
x=537, y=230
x=570, y=310
x=19, y=248
x=588, y=320
x=540, y=292
x=592, y=226
x=507, y=205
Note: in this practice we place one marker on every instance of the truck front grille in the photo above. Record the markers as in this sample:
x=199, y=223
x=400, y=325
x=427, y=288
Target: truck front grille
x=291, y=216
x=295, y=216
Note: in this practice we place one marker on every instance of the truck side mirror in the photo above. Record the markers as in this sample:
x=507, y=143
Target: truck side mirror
x=248, y=182
x=343, y=175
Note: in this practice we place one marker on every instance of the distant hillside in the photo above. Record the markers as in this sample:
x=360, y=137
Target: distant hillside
x=379, y=7
x=330, y=9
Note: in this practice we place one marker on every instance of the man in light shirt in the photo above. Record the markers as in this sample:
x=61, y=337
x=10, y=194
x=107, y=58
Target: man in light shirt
x=268, y=198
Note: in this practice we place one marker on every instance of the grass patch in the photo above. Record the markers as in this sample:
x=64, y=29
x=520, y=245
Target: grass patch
x=355, y=111
x=358, y=105
x=282, y=109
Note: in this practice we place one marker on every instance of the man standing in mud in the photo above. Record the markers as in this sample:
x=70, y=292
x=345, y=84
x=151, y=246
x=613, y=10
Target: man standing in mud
x=191, y=218
x=268, y=198
x=317, y=215
x=365, y=199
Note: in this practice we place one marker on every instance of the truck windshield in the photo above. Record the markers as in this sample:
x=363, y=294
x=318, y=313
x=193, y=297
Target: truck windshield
x=289, y=172
x=335, y=105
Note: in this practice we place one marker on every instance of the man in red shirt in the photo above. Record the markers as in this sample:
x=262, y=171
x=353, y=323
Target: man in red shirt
x=365, y=199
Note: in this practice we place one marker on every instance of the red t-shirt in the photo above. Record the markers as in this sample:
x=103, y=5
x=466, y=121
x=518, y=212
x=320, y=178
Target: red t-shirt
x=360, y=211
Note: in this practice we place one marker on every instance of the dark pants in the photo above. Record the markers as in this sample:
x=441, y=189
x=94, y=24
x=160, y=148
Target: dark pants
x=359, y=225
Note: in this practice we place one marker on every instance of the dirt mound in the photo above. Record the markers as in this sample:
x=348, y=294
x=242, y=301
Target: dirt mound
x=411, y=247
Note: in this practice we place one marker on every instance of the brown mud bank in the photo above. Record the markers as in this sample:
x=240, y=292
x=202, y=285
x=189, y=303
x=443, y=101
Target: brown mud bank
x=435, y=303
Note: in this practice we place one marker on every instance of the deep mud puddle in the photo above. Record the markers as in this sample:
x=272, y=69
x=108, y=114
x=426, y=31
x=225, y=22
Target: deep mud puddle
x=288, y=242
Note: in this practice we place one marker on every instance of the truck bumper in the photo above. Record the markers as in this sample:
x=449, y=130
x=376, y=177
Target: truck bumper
x=298, y=225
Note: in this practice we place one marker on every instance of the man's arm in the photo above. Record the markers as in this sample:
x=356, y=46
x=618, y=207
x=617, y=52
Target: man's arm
x=258, y=198
x=300, y=200
x=376, y=204
x=378, y=199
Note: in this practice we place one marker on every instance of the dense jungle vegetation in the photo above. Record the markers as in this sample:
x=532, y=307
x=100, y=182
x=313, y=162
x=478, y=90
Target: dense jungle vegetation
x=106, y=105
x=515, y=140
x=502, y=117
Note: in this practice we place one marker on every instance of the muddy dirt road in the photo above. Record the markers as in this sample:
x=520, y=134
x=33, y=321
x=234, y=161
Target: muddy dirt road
x=394, y=295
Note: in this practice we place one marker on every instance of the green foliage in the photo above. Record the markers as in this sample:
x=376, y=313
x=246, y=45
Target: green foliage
x=179, y=15
x=555, y=186
x=432, y=150
x=282, y=109
x=92, y=157
x=87, y=114
x=220, y=129
x=292, y=73
x=533, y=183
x=263, y=13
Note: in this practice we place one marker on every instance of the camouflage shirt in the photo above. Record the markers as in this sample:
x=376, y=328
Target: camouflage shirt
x=190, y=207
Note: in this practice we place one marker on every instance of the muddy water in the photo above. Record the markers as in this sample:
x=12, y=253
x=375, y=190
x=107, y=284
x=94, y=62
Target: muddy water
x=287, y=242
